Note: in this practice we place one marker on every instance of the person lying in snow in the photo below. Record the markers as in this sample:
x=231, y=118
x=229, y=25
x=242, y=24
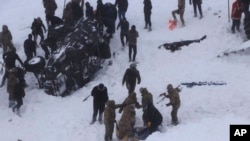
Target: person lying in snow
x=177, y=45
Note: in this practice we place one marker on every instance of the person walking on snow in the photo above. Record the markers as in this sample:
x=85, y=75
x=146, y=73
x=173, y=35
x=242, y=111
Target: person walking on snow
x=147, y=14
x=196, y=3
x=124, y=25
x=122, y=8
x=180, y=10
x=132, y=42
x=130, y=77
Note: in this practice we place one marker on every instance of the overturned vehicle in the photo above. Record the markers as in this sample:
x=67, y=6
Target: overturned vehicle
x=77, y=54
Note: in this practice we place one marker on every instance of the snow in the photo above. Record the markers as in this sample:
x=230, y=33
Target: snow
x=206, y=111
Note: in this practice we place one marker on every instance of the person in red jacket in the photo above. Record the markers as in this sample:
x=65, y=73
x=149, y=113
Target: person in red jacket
x=237, y=10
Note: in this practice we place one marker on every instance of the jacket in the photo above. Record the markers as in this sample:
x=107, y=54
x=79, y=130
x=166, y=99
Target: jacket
x=237, y=9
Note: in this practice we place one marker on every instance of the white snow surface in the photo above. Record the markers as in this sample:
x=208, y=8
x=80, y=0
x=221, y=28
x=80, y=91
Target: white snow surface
x=206, y=112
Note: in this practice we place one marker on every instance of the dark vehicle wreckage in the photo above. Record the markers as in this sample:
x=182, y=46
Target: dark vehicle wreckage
x=79, y=54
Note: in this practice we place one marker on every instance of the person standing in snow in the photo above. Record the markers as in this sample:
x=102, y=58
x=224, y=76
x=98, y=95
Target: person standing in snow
x=18, y=93
x=124, y=24
x=147, y=14
x=89, y=13
x=196, y=3
x=132, y=42
x=100, y=97
x=130, y=77
x=130, y=99
x=6, y=39
x=174, y=101
x=50, y=8
x=11, y=83
x=37, y=29
x=124, y=129
x=122, y=8
x=109, y=119
x=146, y=99
x=180, y=10
x=237, y=10
x=10, y=58
x=29, y=47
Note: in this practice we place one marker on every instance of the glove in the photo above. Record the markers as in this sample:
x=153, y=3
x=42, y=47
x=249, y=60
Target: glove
x=163, y=94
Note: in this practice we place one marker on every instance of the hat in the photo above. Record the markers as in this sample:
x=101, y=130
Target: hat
x=133, y=27
x=101, y=86
x=111, y=103
x=87, y=4
x=133, y=65
x=170, y=86
x=143, y=90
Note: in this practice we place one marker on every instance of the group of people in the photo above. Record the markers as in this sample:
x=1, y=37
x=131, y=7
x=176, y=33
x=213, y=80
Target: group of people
x=15, y=79
x=125, y=127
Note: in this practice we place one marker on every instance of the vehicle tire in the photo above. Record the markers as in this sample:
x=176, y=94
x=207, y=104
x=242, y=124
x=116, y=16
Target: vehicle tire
x=35, y=64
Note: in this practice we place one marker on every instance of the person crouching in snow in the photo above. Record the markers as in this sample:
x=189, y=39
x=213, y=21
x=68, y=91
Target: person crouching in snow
x=152, y=117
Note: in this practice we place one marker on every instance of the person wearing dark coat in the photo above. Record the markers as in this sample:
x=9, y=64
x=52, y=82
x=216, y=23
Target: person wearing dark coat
x=10, y=58
x=122, y=8
x=147, y=14
x=124, y=25
x=152, y=117
x=50, y=8
x=132, y=42
x=18, y=93
x=130, y=77
x=53, y=20
x=29, y=47
x=246, y=6
x=89, y=13
x=100, y=97
x=197, y=3
x=77, y=10
x=37, y=29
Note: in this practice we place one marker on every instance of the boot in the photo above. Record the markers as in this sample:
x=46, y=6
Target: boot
x=149, y=29
x=11, y=103
x=93, y=121
x=146, y=26
x=18, y=112
x=100, y=119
